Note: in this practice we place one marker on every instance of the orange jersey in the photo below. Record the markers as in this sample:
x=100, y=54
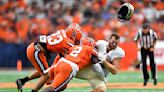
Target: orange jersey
x=81, y=55
x=58, y=42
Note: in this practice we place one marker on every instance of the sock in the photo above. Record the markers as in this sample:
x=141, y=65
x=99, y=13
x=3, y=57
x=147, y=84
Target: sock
x=33, y=90
x=25, y=79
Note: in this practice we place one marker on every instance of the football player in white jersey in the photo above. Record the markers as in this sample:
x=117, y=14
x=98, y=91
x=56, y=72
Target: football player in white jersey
x=108, y=53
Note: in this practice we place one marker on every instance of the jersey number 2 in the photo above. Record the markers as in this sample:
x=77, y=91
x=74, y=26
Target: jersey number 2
x=76, y=51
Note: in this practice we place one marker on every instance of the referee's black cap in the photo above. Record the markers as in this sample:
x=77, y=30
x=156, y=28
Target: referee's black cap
x=145, y=24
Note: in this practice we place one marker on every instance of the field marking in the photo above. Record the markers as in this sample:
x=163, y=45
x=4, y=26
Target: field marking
x=109, y=85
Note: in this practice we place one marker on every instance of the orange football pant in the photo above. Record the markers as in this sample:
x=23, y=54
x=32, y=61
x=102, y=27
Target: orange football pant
x=63, y=73
x=37, y=58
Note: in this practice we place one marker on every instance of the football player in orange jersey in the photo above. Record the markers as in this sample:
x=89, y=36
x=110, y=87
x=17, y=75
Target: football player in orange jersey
x=39, y=51
x=67, y=67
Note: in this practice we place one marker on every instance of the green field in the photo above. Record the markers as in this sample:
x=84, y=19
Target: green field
x=88, y=90
x=121, y=77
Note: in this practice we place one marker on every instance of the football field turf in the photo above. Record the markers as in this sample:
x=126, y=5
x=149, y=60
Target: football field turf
x=125, y=81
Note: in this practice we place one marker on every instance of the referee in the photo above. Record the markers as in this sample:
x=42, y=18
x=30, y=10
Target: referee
x=147, y=39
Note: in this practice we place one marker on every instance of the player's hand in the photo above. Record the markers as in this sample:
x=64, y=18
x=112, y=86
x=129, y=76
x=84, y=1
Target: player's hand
x=110, y=67
x=151, y=49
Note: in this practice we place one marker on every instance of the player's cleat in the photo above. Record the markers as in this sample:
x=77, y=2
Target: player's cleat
x=19, y=85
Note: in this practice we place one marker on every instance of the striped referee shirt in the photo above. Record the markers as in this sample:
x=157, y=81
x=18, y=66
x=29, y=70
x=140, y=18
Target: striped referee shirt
x=146, y=40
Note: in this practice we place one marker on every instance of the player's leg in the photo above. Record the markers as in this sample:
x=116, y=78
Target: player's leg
x=45, y=78
x=32, y=76
x=100, y=89
x=63, y=74
x=87, y=73
x=43, y=65
x=55, y=61
x=42, y=80
x=37, y=59
x=30, y=55
x=20, y=82
x=97, y=85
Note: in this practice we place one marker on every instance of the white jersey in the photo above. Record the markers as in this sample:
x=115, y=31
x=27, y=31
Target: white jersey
x=88, y=74
x=113, y=54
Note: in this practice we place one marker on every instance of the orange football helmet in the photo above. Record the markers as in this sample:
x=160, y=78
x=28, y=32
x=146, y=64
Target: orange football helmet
x=73, y=31
x=89, y=41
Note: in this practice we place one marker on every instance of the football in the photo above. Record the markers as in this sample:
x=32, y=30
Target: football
x=125, y=12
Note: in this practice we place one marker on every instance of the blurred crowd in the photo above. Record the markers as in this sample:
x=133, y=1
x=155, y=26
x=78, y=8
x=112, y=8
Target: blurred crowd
x=22, y=20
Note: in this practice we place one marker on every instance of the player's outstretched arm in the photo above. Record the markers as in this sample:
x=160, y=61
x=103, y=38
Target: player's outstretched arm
x=107, y=62
x=116, y=62
x=110, y=67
